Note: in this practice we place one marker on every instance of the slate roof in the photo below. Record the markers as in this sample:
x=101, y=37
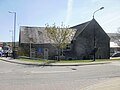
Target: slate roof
x=36, y=35
x=113, y=36
x=80, y=28
x=114, y=39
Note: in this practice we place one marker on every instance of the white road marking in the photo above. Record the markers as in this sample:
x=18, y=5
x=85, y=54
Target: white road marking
x=3, y=72
x=42, y=72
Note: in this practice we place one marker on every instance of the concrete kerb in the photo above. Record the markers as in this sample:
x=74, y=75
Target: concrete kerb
x=53, y=64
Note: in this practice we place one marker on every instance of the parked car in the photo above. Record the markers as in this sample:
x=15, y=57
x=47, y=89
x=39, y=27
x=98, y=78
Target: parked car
x=117, y=54
x=7, y=51
x=1, y=53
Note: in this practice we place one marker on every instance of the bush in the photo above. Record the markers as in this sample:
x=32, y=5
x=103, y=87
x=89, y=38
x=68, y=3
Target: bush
x=22, y=52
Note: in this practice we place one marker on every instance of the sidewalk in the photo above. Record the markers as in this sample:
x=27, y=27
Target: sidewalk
x=50, y=63
x=111, y=84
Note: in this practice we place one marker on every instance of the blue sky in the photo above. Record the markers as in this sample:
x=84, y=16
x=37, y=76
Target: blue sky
x=70, y=12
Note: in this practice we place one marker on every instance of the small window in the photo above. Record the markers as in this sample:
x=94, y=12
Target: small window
x=46, y=49
x=68, y=47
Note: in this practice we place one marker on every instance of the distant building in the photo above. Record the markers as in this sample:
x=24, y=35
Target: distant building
x=114, y=42
x=88, y=38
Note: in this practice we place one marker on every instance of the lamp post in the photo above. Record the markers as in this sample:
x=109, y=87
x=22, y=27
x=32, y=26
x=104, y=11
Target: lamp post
x=97, y=10
x=11, y=31
x=94, y=33
x=14, y=55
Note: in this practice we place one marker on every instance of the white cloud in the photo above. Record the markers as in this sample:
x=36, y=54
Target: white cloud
x=69, y=11
x=111, y=20
x=110, y=23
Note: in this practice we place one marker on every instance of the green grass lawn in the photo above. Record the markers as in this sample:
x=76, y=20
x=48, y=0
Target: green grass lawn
x=33, y=60
x=67, y=61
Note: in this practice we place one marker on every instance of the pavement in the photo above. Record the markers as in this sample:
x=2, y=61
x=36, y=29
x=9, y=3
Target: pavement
x=111, y=84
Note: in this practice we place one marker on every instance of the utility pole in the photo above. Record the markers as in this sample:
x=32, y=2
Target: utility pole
x=14, y=53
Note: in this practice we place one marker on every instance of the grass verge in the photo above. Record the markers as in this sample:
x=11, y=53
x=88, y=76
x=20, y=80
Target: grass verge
x=67, y=61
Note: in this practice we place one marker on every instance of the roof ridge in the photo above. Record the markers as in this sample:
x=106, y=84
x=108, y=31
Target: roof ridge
x=80, y=24
x=85, y=25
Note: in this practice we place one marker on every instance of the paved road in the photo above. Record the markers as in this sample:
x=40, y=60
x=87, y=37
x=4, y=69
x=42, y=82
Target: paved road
x=24, y=77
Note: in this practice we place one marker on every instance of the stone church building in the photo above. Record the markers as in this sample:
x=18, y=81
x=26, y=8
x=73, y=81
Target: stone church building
x=89, y=38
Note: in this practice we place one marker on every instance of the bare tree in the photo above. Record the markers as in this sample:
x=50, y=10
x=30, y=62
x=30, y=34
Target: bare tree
x=116, y=37
x=59, y=36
